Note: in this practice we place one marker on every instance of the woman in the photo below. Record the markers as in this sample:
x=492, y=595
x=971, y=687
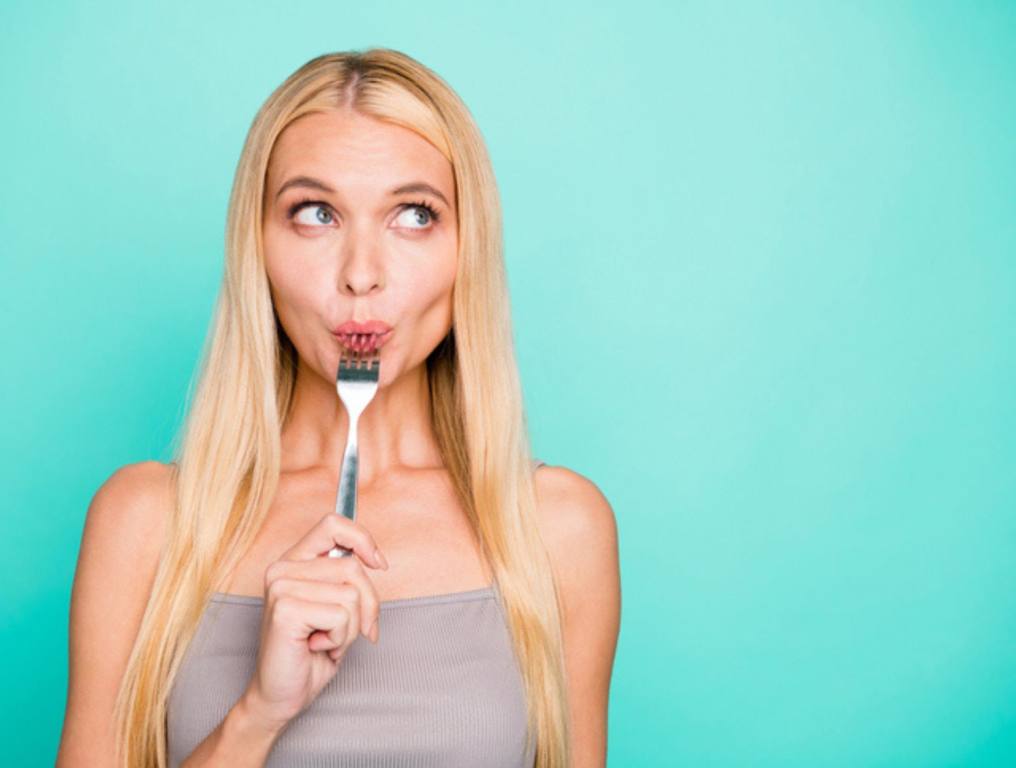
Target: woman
x=207, y=627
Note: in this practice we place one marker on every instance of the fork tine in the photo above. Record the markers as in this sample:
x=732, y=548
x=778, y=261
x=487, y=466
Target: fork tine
x=359, y=368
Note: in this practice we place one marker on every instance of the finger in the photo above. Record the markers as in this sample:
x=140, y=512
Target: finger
x=302, y=618
x=347, y=595
x=325, y=592
x=337, y=530
x=321, y=641
x=341, y=571
x=328, y=593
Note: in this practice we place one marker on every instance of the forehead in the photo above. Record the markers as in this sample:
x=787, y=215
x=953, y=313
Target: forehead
x=356, y=153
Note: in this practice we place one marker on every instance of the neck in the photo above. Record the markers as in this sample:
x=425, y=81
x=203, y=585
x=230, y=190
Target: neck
x=394, y=431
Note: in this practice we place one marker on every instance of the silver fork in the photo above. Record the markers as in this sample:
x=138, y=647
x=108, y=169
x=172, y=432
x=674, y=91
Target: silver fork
x=356, y=382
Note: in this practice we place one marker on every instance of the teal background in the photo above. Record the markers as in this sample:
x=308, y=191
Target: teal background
x=762, y=271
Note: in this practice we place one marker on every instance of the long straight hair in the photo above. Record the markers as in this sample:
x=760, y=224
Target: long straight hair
x=228, y=451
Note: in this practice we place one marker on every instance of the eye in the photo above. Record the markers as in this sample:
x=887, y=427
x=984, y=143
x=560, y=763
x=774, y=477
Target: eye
x=421, y=210
x=323, y=216
x=320, y=213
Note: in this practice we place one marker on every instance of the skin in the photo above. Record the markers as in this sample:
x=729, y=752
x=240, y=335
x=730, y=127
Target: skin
x=364, y=255
x=369, y=256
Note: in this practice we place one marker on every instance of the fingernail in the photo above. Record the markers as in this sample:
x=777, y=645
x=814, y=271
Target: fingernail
x=380, y=559
x=373, y=632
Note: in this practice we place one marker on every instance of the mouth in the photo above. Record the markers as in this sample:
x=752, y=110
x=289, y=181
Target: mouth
x=363, y=342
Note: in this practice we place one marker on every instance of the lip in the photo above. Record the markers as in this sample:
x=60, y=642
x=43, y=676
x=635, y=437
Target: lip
x=363, y=342
x=351, y=327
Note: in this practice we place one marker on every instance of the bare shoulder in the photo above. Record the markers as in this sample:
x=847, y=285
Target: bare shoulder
x=128, y=512
x=125, y=525
x=572, y=504
x=120, y=547
x=579, y=528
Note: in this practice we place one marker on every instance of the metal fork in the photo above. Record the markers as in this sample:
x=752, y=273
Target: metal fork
x=356, y=382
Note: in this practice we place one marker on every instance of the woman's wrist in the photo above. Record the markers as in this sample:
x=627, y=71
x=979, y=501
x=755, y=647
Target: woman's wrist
x=251, y=721
x=243, y=740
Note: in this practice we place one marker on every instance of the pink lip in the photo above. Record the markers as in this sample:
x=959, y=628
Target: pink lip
x=363, y=342
x=351, y=327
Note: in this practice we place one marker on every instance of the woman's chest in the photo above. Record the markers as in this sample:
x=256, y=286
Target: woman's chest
x=422, y=529
x=441, y=688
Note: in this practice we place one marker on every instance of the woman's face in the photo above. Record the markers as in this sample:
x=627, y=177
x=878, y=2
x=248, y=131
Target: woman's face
x=348, y=236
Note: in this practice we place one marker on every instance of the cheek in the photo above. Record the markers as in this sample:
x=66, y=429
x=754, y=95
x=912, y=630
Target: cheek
x=436, y=275
x=420, y=290
x=292, y=286
x=445, y=281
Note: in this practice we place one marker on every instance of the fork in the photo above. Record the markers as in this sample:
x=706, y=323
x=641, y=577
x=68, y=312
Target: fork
x=356, y=382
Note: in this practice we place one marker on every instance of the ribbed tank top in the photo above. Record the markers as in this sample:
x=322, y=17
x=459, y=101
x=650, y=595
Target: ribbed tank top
x=441, y=688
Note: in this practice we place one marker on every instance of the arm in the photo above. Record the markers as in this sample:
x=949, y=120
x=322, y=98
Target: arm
x=580, y=530
x=116, y=565
x=241, y=739
x=119, y=552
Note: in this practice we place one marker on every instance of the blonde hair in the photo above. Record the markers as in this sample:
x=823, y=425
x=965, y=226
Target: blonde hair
x=227, y=462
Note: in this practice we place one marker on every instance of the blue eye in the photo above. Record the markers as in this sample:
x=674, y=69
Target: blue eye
x=432, y=214
x=328, y=217
x=298, y=207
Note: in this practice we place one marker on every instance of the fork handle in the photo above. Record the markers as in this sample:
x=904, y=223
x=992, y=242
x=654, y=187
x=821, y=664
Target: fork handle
x=345, y=501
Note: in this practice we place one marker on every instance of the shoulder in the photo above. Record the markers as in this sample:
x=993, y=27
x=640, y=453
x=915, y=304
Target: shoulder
x=132, y=506
x=571, y=501
x=144, y=482
x=117, y=560
x=579, y=529
x=124, y=530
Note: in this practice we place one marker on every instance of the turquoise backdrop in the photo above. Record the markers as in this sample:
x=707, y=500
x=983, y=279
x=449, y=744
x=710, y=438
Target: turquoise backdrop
x=763, y=271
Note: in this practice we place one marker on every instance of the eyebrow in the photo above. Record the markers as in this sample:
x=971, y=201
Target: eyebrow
x=312, y=183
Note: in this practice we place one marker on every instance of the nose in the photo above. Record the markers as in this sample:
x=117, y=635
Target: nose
x=361, y=267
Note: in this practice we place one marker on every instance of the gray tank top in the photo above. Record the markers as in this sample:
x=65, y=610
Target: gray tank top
x=441, y=688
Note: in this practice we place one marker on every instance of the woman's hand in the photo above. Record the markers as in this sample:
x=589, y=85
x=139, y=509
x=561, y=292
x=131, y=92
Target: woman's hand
x=315, y=606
